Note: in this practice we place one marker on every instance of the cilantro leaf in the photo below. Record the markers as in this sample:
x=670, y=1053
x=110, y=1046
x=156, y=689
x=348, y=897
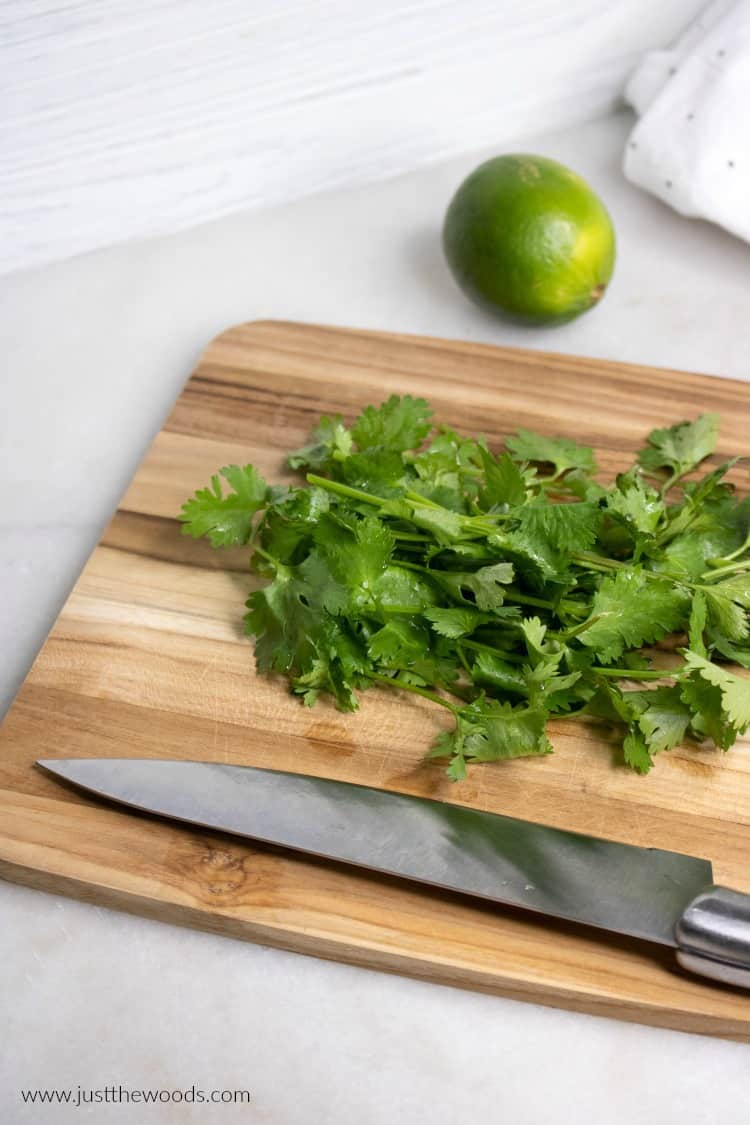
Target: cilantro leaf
x=399, y=587
x=482, y=587
x=737, y=588
x=633, y=609
x=664, y=718
x=336, y=668
x=689, y=553
x=287, y=615
x=225, y=520
x=381, y=473
x=610, y=702
x=357, y=555
x=682, y=447
x=708, y=719
x=330, y=441
x=735, y=653
x=711, y=487
x=286, y=531
x=399, y=424
x=447, y=470
x=504, y=484
x=498, y=731
x=398, y=643
x=561, y=453
x=563, y=528
x=534, y=632
x=726, y=615
x=446, y=526
x=455, y=622
x=487, y=584
x=490, y=670
x=640, y=508
x=636, y=752
x=489, y=731
x=534, y=557
x=735, y=690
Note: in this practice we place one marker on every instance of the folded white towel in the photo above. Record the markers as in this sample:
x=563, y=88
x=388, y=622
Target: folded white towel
x=691, y=146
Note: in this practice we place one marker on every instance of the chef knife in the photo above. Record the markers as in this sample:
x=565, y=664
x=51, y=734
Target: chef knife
x=646, y=893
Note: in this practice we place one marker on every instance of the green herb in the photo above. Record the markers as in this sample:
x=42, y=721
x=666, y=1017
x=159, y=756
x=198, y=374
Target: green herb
x=508, y=588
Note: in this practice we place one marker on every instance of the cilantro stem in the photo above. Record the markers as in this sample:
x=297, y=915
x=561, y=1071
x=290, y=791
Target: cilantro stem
x=720, y=562
x=414, y=566
x=417, y=498
x=637, y=673
x=411, y=537
x=670, y=482
x=721, y=571
x=466, y=695
x=667, y=485
x=527, y=599
x=581, y=627
x=544, y=481
x=345, y=490
x=565, y=604
x=402, y=685
x=681, y=523
x=462, y=658
x=511, y=657
x=568, y=606
x=598, y=562
x=538, y=603
x=269, y=558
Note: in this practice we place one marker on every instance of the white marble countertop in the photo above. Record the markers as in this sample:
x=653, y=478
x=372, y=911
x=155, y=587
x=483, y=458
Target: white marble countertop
x=95, y=350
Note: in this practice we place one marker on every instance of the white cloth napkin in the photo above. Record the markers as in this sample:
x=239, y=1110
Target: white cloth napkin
x=691, y=146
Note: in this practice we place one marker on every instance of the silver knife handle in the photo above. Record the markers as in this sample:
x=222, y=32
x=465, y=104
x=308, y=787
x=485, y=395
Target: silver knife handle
x=713, y=936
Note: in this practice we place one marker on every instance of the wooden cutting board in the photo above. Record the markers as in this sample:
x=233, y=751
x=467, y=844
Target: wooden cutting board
x=148, y=659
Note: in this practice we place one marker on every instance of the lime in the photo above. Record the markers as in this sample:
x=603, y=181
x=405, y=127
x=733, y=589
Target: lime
x=527, y=237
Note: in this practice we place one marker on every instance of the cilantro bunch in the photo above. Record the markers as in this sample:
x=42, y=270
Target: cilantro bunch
x=508, y=587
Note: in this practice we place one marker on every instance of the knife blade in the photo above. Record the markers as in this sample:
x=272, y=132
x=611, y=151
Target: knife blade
x=646, y=893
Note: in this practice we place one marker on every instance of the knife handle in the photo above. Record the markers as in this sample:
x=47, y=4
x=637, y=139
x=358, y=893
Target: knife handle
x=713, y=936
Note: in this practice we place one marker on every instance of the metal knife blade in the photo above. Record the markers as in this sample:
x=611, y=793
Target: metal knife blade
x=642, y=892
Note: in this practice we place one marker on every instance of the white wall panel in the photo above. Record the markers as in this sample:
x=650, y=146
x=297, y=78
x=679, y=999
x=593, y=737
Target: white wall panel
x=127, y=118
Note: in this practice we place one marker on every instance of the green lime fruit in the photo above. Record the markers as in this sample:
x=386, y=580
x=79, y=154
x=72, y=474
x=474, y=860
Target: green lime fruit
x=528, y=238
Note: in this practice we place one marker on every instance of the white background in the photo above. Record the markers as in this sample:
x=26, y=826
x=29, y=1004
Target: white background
x=94, y=351
x=126, y=118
